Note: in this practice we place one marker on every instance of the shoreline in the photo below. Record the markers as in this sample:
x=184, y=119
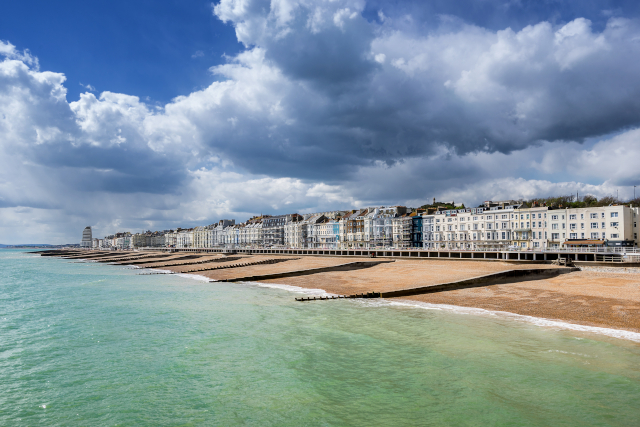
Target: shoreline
x=595, y=298
x=409, y=302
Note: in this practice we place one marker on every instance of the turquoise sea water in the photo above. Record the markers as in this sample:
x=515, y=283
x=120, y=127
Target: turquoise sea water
x=96, y=345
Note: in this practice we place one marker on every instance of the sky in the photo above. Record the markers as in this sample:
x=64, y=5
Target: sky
x=150, y=115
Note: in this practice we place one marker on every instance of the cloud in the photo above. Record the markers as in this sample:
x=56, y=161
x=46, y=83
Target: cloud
x=328, y=109
x=197, y=54
x=88, y=87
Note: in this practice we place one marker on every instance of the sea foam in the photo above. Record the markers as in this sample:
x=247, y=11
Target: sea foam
x=539, y=321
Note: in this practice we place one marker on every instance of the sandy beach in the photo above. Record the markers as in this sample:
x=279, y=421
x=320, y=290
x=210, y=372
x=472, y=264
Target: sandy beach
x=603, y=297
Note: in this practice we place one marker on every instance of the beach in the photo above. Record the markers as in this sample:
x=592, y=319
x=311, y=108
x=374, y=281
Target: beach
x=601, y=297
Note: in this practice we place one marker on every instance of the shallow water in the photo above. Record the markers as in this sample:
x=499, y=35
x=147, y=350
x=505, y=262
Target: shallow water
x=91, y=344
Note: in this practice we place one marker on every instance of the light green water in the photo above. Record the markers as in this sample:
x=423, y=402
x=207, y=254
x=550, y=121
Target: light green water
x=90, y=344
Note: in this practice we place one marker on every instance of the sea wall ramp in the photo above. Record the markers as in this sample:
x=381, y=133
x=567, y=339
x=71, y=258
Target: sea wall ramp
x=341, y=267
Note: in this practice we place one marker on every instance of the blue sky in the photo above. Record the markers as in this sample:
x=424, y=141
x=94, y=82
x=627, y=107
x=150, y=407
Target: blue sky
x=152, y=115
x=159, y=49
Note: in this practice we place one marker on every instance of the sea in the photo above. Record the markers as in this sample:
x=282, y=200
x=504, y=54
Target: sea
x=89, y=344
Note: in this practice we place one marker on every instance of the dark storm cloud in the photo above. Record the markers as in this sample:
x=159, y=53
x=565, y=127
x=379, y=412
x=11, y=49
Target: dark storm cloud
x=384, y=94
x=334, y=105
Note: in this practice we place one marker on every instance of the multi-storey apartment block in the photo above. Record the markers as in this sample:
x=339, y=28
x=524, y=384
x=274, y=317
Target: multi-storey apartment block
x=273, y=230
x=535, y=228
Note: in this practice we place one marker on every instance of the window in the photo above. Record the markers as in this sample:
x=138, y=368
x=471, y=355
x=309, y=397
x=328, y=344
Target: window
x=563, y=225
x=540, y=216
x=539, y=224
x=437, y=228
x=505, y=216
x=594, y=215
x=536, y=244
x=582, y=235
x=527, y=216
x=554, y=217
x=489, y=217
x=475, y=226
x=488, y=226
x=462, y=227
x=614, y=214
x=582, y=226
x=581, y=216
x=554, y=226
x=572, y=216
x=594, y=235
x=573, y=226
x=523, y=244
x=555, y=236
x=504, y=235
x=573, y=235
x=604, y=225
x=594, y=225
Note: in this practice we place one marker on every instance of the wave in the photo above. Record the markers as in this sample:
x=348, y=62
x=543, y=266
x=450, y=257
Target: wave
x=539, y=321
x=295, y=289
x=194, y=277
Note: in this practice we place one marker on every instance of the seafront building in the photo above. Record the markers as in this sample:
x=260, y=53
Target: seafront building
x=87, y=238
x=503, y=225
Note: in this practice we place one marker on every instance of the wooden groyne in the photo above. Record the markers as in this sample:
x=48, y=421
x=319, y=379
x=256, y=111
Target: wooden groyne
x=200, y=261
x=502, y=277
x=509, y=276
x=151, y=260
x=341, y=267
x=367, y=295
x=222, y=267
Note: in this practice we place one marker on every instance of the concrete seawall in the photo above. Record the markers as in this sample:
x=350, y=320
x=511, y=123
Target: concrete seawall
x=509, y=276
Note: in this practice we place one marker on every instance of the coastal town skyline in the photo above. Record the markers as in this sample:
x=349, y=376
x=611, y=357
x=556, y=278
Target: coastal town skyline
x=544, y=224
x=196, y=110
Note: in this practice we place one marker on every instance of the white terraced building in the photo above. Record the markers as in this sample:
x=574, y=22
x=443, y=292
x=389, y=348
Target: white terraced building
x=536, y=228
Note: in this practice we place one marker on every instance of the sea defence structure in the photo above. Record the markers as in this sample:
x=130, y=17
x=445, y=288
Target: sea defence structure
x=577, y=257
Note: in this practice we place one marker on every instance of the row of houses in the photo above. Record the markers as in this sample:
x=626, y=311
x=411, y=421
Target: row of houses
x=508, y=225
x=495, y=225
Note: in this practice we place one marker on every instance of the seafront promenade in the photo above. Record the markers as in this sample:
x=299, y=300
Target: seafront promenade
x=601, y=255
x=605, y=294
